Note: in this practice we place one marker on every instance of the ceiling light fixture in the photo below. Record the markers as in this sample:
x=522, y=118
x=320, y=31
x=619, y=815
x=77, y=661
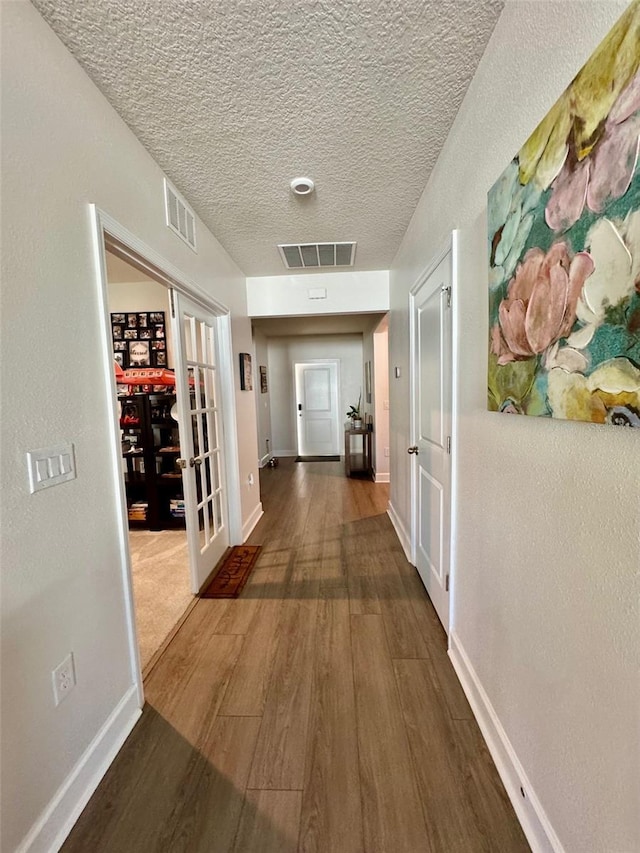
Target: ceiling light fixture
x=302, y=186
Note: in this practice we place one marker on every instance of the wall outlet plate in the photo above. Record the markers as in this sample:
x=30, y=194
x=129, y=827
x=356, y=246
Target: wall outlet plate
x=64, y=679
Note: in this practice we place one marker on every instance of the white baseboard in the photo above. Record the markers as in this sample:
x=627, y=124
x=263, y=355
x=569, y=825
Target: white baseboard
x=284, y=452
x=401, y=531
x=381, y=478
x=250, y=523
x=535, y=823
x=56, y=821
x=263, y=460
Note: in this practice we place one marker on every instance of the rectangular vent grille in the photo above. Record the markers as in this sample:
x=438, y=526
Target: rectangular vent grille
x=296, y=256
x=180, y=218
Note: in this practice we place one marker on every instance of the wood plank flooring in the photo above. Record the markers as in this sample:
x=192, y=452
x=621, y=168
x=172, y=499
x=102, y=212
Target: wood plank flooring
x=318, y=712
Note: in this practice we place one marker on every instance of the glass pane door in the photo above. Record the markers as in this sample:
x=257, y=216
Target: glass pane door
x=197, y=384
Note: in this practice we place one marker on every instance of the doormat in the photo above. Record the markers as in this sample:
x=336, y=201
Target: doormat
x=235, y=568
x=317, y=459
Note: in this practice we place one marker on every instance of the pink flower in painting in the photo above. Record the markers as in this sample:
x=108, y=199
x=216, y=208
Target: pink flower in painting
x=605, y=172
x=540, y=307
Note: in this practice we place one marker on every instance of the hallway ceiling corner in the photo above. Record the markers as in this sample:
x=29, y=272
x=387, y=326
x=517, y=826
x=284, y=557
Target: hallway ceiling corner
x=235, y=98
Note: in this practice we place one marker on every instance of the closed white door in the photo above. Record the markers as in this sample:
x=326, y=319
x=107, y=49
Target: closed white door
x=201, y=437
x=317, y=416
x=431, y=449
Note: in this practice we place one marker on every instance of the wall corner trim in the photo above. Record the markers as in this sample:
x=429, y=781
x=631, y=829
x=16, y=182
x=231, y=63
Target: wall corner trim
x=535, y=823
x=250, y=523
x=56, y=821
x=263, y=460
x=381, y=478
x=401, y=531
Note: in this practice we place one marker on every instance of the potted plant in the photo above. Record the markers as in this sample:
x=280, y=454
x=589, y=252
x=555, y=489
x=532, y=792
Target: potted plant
x=354, y=414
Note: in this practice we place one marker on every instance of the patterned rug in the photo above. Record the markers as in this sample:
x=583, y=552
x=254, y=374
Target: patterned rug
x=235, y=568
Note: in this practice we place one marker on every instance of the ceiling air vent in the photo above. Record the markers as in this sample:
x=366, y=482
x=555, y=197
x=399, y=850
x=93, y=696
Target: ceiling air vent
x=180, y=217
x=297, y=256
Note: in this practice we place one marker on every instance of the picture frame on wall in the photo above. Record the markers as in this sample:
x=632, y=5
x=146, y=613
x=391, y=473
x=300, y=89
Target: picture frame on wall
x=367, y=381
x=246, y=379
x=263, y=379
x=142, y=327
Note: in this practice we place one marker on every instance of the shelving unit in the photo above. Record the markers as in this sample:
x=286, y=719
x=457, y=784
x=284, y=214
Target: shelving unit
x=151, y=449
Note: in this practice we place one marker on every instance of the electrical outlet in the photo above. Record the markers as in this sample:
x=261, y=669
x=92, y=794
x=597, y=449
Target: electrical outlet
x=64, y=679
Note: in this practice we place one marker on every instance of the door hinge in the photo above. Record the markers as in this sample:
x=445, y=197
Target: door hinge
x=449, y=444
x=172, y=303
x=447, y=289
x=446, y=584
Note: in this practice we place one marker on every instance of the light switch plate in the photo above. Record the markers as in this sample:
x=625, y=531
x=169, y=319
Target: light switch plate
x=50, y=466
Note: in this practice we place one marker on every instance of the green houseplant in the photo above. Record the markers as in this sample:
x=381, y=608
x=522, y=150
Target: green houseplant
x=354, y=414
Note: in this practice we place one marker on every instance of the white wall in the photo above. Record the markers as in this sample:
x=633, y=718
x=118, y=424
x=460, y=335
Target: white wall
x=62, y=148
x=138, y=296
x=284, y=352
x=381, y=401
x=546, y=582
x=263, y=401
x=291, y=295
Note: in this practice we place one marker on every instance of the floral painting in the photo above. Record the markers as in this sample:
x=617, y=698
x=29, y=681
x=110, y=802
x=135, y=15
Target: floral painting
x=564, y=245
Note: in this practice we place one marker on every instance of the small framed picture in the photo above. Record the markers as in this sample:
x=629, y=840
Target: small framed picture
x=263, y=379
x=139, y=354
x=156, y=317
x=143, y=321
x=118, y=318
x=119, y=358
x=117, y=333
x=160, y=330
x=246, y=380
x=158, y=345
x=120, y=346
x=132, y=321
x=161, y=359
x=144, y=334
x=131, y=334
x=367, y=381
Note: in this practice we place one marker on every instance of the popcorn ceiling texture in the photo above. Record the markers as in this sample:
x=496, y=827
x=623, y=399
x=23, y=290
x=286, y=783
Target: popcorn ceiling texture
x=234, y=98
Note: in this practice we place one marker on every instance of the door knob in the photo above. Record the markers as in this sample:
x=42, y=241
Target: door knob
x=195, y=461
x=413, y=449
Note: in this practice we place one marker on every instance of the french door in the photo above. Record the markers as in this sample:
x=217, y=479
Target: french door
x=432, y=381
x=201, y=438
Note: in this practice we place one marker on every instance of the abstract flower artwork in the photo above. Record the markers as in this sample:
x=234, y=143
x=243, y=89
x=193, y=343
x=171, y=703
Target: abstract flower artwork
x=564, y=247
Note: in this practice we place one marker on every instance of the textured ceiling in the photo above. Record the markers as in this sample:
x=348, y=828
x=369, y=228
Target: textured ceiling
x=234, y=98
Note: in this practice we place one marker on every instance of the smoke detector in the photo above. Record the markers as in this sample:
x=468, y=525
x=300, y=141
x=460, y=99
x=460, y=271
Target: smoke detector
x=302, y=186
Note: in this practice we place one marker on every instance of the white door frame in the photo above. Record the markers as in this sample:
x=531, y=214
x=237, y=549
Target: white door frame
x=453, y=246
x=335, y=361
x=146, y=259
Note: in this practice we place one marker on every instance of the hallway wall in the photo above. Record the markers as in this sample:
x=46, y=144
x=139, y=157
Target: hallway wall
x=64, y=147
x=546, y=599
x=263, y=401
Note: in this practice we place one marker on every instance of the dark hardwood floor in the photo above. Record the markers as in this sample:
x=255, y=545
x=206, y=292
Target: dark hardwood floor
x=317, y=712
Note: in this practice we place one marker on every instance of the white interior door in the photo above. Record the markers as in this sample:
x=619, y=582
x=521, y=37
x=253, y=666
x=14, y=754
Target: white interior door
x=431, y=450
x=317, y=416
x=201, y=437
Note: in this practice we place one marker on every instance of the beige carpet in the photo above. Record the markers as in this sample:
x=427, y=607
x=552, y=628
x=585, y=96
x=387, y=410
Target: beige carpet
x=161, y=590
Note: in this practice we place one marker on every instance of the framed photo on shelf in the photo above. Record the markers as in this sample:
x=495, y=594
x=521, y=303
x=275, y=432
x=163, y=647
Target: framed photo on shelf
x=139, y=354
x=246, y=383
x=139, y=338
